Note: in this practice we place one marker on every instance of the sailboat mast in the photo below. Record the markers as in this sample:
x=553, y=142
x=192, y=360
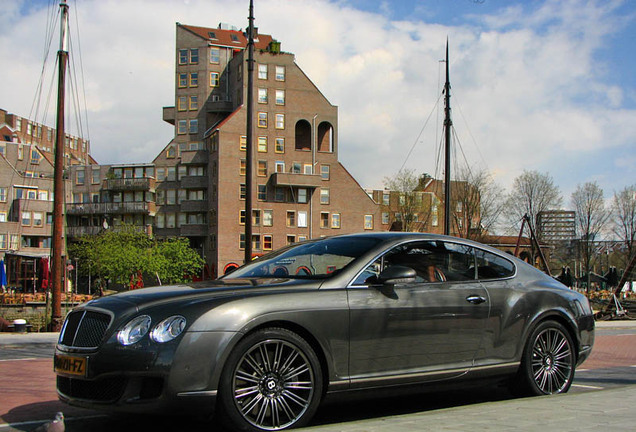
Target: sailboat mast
x=249, y=138
x=448, y=124
x=57, y=264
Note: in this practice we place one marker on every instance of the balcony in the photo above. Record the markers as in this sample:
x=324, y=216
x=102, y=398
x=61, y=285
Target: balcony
x=130, y=184
x=199, y=157
x=148, y=208
x=194, y=230
x=169, y=115
x=194, y=206
x=296, y=179
x=79, y=231
x=194, y=182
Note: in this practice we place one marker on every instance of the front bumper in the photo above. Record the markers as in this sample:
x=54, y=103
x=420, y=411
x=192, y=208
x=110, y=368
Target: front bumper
x=178, y=376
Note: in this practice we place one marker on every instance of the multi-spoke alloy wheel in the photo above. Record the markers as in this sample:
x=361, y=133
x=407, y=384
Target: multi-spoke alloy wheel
x=548, y=363
x=552, y=361
x=274, y=381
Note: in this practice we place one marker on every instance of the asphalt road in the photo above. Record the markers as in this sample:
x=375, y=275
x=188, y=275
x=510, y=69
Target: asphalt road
x=27, y=390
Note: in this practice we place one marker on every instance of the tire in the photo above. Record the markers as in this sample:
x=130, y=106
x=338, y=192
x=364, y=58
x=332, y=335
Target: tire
x=272, y=381
x=548, y=362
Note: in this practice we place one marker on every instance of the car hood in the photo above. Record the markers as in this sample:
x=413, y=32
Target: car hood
x=200, y=291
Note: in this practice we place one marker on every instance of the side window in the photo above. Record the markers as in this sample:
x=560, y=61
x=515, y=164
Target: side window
x=433, y=261
x=492, y=266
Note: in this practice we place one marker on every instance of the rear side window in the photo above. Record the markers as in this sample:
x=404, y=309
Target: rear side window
x=492, y=266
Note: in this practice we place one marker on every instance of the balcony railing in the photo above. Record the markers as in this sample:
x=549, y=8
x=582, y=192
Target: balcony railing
x=130, y=184
x=148, y=208
x=296, y=179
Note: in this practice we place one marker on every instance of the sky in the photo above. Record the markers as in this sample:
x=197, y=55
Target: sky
x=545, y=85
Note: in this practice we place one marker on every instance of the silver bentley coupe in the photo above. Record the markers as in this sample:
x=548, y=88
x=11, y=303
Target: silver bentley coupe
x=260, y=348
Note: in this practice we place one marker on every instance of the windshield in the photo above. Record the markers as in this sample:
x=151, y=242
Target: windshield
x=315, y=259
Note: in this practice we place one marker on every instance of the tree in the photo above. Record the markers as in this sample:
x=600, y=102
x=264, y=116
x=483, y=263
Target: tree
x=122, y=254
x=481, y=203
x=591, y=217
x=532, y=193
x=624, y=215
x=405, y=184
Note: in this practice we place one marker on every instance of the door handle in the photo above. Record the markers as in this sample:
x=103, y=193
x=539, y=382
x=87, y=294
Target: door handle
x=475, y=299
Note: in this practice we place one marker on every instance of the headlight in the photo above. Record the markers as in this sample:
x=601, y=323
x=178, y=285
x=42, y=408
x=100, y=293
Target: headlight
x=168, y=329
x=134, y=330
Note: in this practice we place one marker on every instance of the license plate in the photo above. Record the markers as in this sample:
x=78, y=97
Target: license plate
x=70, y=365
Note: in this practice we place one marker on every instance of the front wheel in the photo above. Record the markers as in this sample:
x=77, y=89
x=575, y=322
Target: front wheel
x=272, y=381
x=548, y=362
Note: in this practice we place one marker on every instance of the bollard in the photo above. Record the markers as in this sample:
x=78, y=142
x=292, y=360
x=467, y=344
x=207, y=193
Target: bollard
x=19, y=326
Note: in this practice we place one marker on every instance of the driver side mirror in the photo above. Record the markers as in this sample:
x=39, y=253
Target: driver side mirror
x=396, y=274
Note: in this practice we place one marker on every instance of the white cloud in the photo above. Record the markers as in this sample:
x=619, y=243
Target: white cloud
x=528, y=83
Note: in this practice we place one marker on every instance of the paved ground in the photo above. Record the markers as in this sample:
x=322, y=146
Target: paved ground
x=27, y=396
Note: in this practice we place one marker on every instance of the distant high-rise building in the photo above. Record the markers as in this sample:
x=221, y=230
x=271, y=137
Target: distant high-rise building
x=556, y=226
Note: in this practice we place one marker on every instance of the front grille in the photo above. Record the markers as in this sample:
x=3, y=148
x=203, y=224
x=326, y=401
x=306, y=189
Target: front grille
x=101, y=390
x=84, y=329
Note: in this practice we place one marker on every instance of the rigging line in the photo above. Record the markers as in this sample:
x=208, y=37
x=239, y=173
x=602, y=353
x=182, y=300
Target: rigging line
x=48, y=40
x=468, y=128
x=420, y=134
x=81, y=63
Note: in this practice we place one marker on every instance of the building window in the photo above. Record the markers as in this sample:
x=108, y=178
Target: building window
x=3, y=194
x=302, y=195
x=302, y=219
x=267, y=242
x=194, y=102
x=434, y=216
x=262, y=71
x=79, y=177
x=181, y=103
x=215, y=55
x=35, y=157
x=385, y=218
x=368, y=222
x=214, y=79
x=26, y=218
x=171, y=197
x=242, y=191
x=241, y=244
x=194, y=79
x=262, y=95
x=291, y=218
x=262, y=119
x=243, y=143
x=279, y=166
x=256, y=242
x=183, y=56
x=194, y=126
x=261, y=169
x=279, y=194
x=37, y=219
x=335, y=220
x=291, y=239
x=324, y=172
x=21, y=152
x=385, y=198
x=15, y=241
x=256, y=217
x=262, y=144
x=262, y=193
x=280, y=73
x=242, y=217
x=3, y=241
x=182, y=127
x=171, y=152
x=324, y=220
x=268, y=217
x=280, y=97
x=308, y=169
x=280, y=145
x=296, y=167
x=194, y=55
x=183, y=80
x=280, y=121
x=95, y=176
x=242, y=167
x=324, y=196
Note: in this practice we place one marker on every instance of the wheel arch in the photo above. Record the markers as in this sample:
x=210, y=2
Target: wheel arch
x=560, y=316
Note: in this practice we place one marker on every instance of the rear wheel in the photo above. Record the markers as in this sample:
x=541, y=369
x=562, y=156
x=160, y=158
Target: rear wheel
x=548, y=362
x=272, y=381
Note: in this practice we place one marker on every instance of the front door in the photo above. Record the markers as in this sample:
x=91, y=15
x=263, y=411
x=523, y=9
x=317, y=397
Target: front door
x=424, y=330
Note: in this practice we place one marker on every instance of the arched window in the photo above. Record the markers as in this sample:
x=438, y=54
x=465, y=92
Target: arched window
x=303, y=135
x=325, y=137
